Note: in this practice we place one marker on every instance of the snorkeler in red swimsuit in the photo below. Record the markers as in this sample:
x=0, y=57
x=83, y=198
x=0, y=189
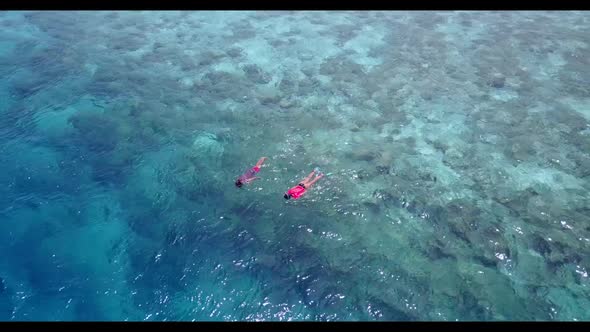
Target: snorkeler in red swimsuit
x=302, y=187
x=250, y=175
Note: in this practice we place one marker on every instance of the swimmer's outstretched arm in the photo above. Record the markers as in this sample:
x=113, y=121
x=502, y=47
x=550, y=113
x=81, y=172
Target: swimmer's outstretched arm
x=261, y=161
x=252, y=179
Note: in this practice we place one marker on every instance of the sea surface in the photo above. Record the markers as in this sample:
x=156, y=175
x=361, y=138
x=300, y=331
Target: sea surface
x=456, y=148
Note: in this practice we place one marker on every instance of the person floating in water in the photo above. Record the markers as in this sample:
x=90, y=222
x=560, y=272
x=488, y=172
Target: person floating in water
x=250, y=175
x=306, y=183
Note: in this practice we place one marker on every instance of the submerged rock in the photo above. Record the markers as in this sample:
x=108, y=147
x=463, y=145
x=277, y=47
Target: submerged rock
x=363, y=154
x=256, y=75
x=497, y=81
x=97, y=131
x=540, y=245
x=234, y=52
x=286, y=103
x=287, y=86
x=381, y=169
x=268, y=95
x=207, y=145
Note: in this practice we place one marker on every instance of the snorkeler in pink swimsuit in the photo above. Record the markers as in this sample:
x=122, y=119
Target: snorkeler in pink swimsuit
x=301, y=188
x=250, y=175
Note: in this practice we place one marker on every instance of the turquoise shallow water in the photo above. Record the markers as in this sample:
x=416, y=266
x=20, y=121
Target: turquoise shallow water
x=456, y=143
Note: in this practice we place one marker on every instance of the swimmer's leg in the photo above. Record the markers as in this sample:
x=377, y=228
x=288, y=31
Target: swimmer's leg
x=304, y=181
x=252, y=179
x=314, y=180
x=261, y=161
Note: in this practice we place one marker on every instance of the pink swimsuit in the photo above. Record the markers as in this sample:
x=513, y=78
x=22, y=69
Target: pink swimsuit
x=249, y=174
x=297, y=191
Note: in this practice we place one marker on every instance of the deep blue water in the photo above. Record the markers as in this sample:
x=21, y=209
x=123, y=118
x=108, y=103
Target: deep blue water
x=456, y=147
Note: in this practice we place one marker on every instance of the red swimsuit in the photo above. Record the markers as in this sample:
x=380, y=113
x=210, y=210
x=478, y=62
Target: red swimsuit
x=297, y=191
x=249, y=174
